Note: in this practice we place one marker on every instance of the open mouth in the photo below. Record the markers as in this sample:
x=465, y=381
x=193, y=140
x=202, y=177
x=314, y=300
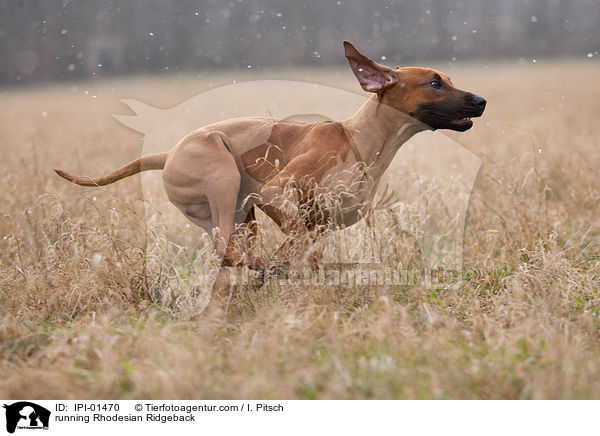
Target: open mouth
x=462, y=123
x=457, y=120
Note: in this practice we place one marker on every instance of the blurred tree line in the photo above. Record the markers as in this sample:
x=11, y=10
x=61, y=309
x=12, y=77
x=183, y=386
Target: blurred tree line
x=74, y=39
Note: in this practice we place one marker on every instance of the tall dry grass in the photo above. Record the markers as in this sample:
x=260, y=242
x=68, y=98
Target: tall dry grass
x=94, y=304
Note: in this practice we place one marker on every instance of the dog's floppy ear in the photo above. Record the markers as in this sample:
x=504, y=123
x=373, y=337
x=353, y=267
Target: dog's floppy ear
x=372, y=76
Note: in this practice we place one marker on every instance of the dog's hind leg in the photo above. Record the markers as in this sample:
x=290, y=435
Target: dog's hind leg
x=202, y=179
x=243, y=244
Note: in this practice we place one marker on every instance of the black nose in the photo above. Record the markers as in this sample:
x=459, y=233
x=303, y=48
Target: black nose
x=479, y=101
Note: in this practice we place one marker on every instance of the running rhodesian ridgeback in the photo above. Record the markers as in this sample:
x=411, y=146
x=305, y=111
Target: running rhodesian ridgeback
x=217, y=174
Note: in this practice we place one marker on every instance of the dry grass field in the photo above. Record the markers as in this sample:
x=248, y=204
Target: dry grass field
x=95, y=304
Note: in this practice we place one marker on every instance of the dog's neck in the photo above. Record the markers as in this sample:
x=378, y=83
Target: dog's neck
x=378, y=131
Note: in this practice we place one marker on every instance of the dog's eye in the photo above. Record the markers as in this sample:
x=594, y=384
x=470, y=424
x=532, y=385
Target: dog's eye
x=436, y=84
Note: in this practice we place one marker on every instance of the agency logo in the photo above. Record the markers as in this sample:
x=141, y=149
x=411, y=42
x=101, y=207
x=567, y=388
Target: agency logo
x=26, y=415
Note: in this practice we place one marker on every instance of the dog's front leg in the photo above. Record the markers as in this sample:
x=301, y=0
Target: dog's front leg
x=284, y=203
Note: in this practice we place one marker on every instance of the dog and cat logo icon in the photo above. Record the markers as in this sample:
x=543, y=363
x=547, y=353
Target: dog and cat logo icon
x=26, y=415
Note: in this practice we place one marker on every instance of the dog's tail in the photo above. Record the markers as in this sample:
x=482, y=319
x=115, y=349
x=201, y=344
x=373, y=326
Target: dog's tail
x=151, y=162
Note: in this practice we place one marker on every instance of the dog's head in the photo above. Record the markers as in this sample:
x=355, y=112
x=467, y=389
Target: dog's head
x=423, y=93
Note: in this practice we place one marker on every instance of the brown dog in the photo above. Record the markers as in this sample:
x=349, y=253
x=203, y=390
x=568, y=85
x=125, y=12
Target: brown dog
x=217, y=174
